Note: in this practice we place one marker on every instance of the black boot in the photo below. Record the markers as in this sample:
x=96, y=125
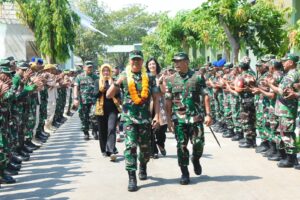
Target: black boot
x=132, y=185
x=6, y=179
x=263, y=147
x=16, y=159
x=278, y=155
x=238, y=136
x=143, y=172
x=228, y=134
x=86, y=135
x=197, y=166
x=10, y=172
x=250, y=143
x=27, y=149
x=289, y=161
x=185, y=177
x=271, y=151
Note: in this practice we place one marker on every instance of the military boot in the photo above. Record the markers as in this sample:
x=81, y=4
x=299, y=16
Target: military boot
x=238, y=136
x=132, y=185
x=263, y=147
x=6, y=179
x=271, y=151
x=143, y=172
x=228, y=134
x=288, y=162
x=86, y=135
x=250, y=143
x=197, y=166
x=185, y=177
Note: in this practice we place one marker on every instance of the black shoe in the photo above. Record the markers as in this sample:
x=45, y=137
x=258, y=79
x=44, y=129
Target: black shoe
x=44, y=134
x=10, y=172
x=132, y=184
x=41, y=138
x=16, y=159
x=27, y=149
x=271, y=151
x=287, y=162
x=248, y=144
x=185, y=177
x=238, y=136
x=242, y=141
x=14, y=166
x=197, y=166
x=263, y=147
x=277, y=156
x=6, y=179
x=86, y=137
x=116, y=150
x=143, y=172
x=228, y=134
x=31, y=145
x=25, y=156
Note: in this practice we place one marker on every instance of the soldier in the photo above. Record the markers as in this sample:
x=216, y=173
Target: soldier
x=138, y=87
x=286, y=110
x=183, y=92
x=84, y=95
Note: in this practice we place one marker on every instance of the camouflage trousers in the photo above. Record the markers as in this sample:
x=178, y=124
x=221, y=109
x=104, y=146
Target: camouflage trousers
x=286, y=128
x=3, y=158
x=212, y=103
x=184, y=133
x=29, y=126
x=136, y=135
x=84, y=115
x=227, y=112
x=219, y=107
x=236, y=113
x=262, y=118
x=248, y=118
x=42, y=115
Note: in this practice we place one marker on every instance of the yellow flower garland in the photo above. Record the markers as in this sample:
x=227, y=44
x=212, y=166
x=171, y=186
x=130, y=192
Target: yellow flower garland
x=132, y=88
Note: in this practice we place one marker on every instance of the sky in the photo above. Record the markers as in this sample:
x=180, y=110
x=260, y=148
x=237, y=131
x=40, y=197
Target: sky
x=172, y=6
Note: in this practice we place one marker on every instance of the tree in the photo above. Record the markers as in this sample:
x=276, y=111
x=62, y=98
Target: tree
x=53, y=23
x=259, y=26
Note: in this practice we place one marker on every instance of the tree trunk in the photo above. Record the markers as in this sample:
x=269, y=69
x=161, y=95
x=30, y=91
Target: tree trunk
x=234, y=41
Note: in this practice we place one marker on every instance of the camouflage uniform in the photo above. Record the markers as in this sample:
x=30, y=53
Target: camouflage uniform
x=185, y=90
x=137, y=123
x=86, y=95
x=247, y=114
x=43, y=109
x=286, y=110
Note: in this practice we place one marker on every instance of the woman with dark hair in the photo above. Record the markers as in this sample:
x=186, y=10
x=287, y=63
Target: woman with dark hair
x=158, y=135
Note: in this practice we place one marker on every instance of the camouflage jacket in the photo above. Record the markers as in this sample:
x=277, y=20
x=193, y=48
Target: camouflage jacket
x=132, y=113
x=261, y=101
x=184, y=92
x=246, y=75
x=86, y=86
x=287, y=107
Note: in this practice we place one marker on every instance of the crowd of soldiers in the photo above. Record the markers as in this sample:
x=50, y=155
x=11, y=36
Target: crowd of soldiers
x=33, y=97
x=246, y=104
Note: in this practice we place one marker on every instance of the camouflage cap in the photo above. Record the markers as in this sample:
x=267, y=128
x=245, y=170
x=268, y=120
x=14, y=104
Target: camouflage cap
x=268, y=57
x=22, y=64
x=292, y=57
x=258, y=63
x=136, y=54
x=180, y=56
x=88, y=63
x=228, y=65
x=5, y=69
x=5, y=62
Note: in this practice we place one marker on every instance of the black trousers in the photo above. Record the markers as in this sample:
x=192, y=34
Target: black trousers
x=107, y=132
x=158, y=137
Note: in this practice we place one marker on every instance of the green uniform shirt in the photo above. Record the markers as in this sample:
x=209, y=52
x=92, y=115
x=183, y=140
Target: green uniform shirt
x=86, y=85
x=287, y=107
x=185, y=91
x=132, y=113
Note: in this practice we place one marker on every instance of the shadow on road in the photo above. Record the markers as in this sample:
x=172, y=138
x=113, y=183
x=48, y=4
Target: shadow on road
x=196, y=180
x=51, y=168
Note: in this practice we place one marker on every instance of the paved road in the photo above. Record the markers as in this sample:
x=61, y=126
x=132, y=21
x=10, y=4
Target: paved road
x=67, y=167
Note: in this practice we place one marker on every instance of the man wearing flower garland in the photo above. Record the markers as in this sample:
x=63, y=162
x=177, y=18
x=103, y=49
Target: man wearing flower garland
x=138, y=87
x=183, y=102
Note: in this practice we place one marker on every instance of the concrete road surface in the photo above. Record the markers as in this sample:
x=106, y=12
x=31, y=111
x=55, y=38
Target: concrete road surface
x=67, y=167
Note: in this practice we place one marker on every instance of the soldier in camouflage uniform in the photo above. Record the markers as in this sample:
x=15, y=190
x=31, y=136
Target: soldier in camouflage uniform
x=227, y=102
x=275, y=73
x=6, y=97
x=261, y=104
x=208, y=76
x=84, y=95
x=286, y=110
x=183, y=91
x=136, y=114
